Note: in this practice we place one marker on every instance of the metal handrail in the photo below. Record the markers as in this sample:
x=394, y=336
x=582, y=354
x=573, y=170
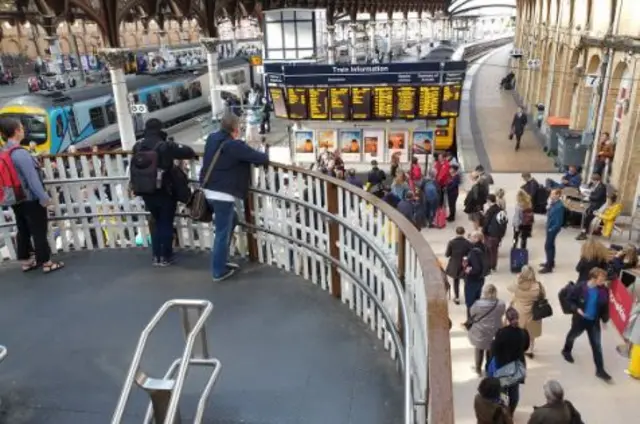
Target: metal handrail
x=206, y=308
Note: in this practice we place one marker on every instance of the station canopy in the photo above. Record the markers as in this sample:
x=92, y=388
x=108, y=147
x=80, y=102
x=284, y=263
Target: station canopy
x=110, y=14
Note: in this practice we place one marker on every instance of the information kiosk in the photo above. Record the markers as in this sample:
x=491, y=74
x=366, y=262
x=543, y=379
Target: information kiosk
x=368, y=112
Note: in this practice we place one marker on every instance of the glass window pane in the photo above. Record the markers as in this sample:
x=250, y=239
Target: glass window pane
x=287, y=15
x=305, y=35
x=289, y=35
x=305, y=54
x=272, y=16
x=291, y=54
x=275, y=54
x=303, y=15
x=274, y=35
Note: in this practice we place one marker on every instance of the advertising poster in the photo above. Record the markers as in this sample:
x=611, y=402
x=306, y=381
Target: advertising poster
x=397, y=141
x=351, y=145
x=327, y=139
x=373, y=145
x=422, y=142
x=305, y=149
x=620, y=305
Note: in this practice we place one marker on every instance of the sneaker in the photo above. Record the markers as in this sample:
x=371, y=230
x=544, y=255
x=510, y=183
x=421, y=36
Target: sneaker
x=568, y=357
x=602, y=374
x=545, y=270
x=233, y=265
x=156, y=262
x=228, y=273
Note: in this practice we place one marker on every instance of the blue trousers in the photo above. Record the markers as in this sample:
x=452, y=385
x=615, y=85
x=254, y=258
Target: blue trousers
x=225, y=220
x=472, y=291
x=163, y=210
x=550, y=248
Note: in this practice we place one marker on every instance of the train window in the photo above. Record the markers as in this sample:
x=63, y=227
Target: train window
x=167, y=97
x=235, y=77
x=59, y=126
x=111, y=113
x=71, y=117
x=153, y=102
x=195, y=89
x=183, y=93
x=96, y=116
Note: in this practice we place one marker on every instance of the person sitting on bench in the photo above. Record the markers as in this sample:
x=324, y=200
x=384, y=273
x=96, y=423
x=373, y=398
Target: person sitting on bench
x=597, y=198
x=571, y=179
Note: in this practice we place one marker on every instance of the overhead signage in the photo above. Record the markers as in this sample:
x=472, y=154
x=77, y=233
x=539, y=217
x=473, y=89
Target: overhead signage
x=450, y=104
x=405, y=101
x=383, y=103
x=340, y=101
x=319, y=103
x=279, y=103
x=360, y=103
x=393, y=73
x=428, y=102
x=297, y=100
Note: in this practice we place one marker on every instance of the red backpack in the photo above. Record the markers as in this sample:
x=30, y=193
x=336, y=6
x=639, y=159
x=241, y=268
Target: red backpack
x=10, y=187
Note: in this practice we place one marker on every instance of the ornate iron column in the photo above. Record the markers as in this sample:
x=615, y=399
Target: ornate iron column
x=211, y=45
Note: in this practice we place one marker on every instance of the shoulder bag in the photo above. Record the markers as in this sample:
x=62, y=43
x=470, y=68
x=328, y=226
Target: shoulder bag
x=469, y=323
x=199, y=209
x=541, y=307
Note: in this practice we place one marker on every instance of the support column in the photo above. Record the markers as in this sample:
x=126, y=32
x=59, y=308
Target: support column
x=76, y=52
x=372, y=39
x=331, y=42
x=352, y=42
x=54, y=48
x=116, y=60
x=405, y=34
x=211, y=45
x=389, y=31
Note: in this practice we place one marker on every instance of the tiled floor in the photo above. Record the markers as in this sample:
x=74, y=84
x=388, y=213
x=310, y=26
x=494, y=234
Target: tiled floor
x=290, y=353
x=599, y=403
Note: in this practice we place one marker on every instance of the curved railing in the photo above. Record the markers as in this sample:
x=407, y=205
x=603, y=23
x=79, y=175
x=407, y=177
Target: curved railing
x=346, y=241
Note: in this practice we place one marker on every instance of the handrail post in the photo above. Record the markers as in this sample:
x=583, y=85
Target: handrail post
x=334, y=239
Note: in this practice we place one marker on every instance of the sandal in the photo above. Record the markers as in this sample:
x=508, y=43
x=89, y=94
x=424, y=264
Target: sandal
x=30, y=266
x=52, y=266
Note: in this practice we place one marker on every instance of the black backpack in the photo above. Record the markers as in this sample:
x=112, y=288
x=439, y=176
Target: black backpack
x=563, y=297
x=145, y=174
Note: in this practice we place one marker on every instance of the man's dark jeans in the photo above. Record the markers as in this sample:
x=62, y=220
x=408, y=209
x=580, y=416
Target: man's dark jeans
x=472, y=291
x=32, y=224
x=578, y=326
x=550, y=248
x=163, y=210
x=225, y=221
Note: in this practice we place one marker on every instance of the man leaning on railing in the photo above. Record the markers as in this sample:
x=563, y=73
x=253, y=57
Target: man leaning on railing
x=225, y=176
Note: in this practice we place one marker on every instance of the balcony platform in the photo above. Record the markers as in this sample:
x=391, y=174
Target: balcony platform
x=290, y=353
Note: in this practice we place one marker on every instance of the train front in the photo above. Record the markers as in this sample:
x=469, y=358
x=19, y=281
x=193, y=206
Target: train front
x=35, y=121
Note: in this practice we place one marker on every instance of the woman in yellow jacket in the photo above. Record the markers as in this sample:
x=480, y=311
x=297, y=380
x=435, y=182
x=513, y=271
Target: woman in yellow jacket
x=609, y=215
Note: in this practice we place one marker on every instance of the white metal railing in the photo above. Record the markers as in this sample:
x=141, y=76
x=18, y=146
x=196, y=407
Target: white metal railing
x=334, y=235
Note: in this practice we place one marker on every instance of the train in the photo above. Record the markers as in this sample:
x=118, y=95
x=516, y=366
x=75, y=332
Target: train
x=86, y=117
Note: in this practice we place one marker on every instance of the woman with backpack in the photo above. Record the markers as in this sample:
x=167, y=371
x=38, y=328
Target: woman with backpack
x=523, y=218
x=22, y=189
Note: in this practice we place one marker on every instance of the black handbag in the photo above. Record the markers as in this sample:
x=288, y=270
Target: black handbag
x=199, y=209
x=469, y=322
x=541, y=307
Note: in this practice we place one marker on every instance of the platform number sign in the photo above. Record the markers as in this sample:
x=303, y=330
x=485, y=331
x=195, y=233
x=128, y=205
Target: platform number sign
x=591, y=80
x=138, y=109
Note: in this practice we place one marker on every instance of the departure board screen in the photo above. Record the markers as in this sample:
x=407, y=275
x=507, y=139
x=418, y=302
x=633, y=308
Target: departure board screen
x=279, y=103
x=405, y=102
x=340, y=103
x=383, y=102
x=319, y=103
x=450, y=104
x=297, y=99
x=429, y=102
x=361, y=103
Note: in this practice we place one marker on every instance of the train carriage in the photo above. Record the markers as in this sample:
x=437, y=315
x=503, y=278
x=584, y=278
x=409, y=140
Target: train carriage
x=86, y=117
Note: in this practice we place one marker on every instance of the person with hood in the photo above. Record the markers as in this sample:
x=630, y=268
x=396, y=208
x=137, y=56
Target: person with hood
x=430, y=195
x=476, y=198
x=376, y=179
x=493, y=229
x=488, y=405
x=407, y=207
x=457, y=249
x=474, y=270
x=442, y=169
x=162, y=203
x=353, y=179
x=556, y=410
x=485, y=321
x=224, y=181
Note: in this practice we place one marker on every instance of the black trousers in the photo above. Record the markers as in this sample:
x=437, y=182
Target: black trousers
x=522, y=236
x=32, y=221
x=452, y=198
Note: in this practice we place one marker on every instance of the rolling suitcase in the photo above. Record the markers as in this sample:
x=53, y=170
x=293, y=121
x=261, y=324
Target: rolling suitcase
x=519, y=258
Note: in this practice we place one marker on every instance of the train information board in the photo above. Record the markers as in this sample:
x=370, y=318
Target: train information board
x=405, y=100
x=340, y=103
x=383, y=102
x=279, y=103
x=450, y=104
x=297, y=100
x=428, y=102
x=319, y=103
x=360, y=103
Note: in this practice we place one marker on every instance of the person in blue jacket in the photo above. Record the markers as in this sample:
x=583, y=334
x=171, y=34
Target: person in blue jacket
x=431, y=198
x=589, y=302
x=571, y=179
x=555, y=221
x=228, y=181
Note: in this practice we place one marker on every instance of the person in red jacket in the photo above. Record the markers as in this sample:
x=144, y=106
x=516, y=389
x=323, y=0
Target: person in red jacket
x=443, y=175
x=415, y=174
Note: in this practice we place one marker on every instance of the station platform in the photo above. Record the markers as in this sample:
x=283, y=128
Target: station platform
x=290, y=353
x=485, y=124
x=588, y=393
